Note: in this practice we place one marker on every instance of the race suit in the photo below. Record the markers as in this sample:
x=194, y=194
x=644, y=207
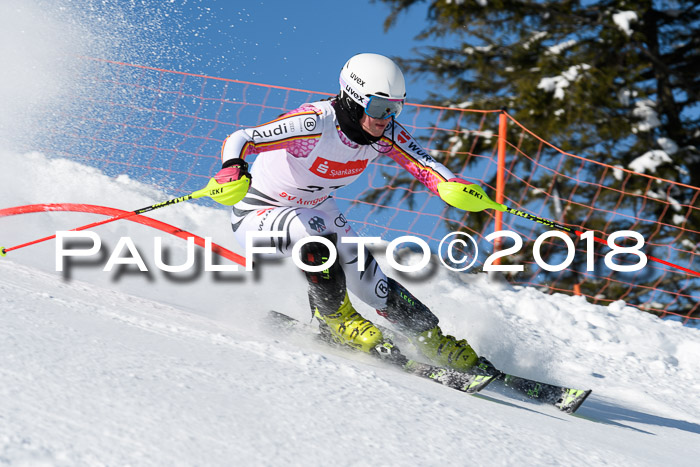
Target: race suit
x=302, y=157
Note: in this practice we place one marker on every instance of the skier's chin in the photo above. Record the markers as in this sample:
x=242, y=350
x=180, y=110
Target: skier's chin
x=374, y=126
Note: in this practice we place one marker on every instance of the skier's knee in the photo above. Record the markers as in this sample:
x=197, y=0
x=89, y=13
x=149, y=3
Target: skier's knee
x=327, y=288
x=406, y=311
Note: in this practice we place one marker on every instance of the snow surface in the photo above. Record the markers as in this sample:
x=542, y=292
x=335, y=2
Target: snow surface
x=150, y=369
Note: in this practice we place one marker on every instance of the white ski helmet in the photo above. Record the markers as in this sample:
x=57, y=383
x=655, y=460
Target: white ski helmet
x=375, y=83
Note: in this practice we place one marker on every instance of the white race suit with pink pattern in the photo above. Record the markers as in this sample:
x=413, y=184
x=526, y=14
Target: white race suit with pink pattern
x=302, y=157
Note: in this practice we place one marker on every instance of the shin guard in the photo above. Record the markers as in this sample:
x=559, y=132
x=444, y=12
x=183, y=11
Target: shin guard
x=406, y=311
x=327, y=288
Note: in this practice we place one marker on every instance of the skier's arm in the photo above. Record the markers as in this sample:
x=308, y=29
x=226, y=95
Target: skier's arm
x=296, y=131
x=411, y=156
x=453, y=190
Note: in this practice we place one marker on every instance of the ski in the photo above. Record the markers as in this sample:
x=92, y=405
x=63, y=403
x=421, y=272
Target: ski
x=565, y=399
x=469, y=383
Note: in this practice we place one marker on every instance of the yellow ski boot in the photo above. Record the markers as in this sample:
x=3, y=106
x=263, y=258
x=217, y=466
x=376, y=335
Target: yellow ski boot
x=446, y=350
x=348, y=327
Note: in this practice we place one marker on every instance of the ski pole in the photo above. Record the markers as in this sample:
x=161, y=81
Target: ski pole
x=228, y=194
x=476, y=200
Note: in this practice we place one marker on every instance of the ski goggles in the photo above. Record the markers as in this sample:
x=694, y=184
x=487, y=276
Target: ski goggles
x=383, y=107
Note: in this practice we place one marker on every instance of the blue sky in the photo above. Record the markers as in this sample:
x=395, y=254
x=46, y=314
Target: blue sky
x=300, y=45
x=297, y=44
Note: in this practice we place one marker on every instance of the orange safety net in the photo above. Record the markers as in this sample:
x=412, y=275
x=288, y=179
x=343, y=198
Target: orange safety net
x=592, y=195
x=166, y=128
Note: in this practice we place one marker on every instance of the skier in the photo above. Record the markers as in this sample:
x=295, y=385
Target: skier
x=306, y=154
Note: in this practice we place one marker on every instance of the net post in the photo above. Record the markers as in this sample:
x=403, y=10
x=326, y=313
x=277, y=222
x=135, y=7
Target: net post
x=500, y=175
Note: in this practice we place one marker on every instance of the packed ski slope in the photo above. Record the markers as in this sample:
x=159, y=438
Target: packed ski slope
x=134, y=368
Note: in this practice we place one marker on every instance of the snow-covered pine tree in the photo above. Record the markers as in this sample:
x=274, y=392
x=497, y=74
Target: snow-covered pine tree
x=614, y=80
